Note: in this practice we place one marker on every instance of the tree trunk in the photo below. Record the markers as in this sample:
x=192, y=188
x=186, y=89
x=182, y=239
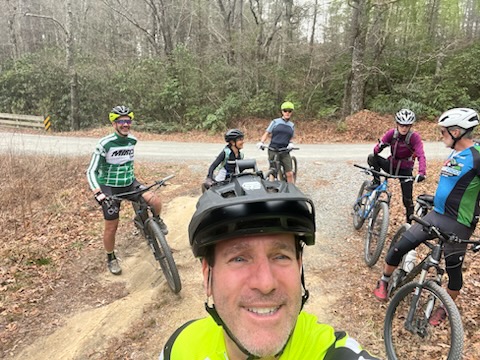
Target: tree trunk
x=74, y=118
x=11, y=30
x=358, y=44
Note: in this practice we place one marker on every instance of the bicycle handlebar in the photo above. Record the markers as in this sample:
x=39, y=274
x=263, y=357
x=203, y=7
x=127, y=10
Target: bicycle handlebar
x=384, y=174
x=284, y=149
x=448, y=237
x=280, y=150
x=142, y=189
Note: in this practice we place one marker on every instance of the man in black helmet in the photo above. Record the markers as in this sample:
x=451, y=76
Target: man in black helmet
x=250, y=235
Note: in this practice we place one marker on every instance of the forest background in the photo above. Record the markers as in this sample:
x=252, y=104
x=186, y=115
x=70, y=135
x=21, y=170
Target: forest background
x=201, y=65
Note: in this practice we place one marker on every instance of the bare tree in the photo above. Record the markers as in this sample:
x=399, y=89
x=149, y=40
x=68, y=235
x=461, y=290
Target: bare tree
x=70, y=60
x=355, y=84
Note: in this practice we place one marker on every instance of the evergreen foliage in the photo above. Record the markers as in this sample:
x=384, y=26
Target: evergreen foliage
x=209, y=71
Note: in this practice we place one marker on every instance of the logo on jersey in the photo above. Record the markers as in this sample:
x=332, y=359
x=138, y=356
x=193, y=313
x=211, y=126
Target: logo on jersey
x=120, y=155
x=451, y=168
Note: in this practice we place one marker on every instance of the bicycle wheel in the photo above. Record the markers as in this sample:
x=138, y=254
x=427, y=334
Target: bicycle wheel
x=399, y=274
x=376, y=233
x=294, y=169
x=417, y=339
x=359, y=206
x=164, y=256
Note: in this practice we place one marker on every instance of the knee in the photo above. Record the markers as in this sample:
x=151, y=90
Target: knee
x=371, y=159
x=111, y=226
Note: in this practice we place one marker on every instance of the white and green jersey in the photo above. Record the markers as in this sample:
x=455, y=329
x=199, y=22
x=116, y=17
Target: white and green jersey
x=112, y=162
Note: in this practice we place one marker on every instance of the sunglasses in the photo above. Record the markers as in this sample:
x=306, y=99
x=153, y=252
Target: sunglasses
x=124, y=122
x=287, y=110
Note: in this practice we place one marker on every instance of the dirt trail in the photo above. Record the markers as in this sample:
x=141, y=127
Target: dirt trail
x=87, y=332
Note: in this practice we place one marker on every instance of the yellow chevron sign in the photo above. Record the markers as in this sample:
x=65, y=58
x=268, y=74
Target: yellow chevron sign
x=47, y=123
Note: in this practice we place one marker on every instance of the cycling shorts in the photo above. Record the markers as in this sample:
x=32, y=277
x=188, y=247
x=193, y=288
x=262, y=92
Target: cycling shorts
x=111, y=209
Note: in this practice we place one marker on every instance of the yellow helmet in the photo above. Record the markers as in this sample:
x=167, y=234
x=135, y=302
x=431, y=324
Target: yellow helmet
x=287, y=105
x=118, y=111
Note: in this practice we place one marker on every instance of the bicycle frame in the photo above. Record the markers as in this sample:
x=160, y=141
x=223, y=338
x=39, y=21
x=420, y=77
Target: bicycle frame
x=149, y=223
x=371, y=198
x=140, y=205
x=432, y=259
x=276, y=166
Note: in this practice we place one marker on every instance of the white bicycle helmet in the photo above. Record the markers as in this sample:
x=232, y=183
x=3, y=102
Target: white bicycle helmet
x=405, y=117
x=464, y=118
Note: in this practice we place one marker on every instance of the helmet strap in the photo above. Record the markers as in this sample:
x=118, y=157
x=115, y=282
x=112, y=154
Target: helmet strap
x=455, y=139
x=306, y=293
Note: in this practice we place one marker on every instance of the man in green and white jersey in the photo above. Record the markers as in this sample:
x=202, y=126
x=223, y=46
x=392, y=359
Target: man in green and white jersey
x=111, y=172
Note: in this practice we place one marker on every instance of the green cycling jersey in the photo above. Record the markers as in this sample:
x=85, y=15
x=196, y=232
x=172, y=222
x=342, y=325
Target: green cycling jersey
x=112, y=162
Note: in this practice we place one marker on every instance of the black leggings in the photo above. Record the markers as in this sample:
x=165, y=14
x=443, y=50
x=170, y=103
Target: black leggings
x=377, y=162
x=454, y=253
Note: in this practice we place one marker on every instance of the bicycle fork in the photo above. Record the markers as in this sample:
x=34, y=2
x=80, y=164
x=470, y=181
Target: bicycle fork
x=419, y=325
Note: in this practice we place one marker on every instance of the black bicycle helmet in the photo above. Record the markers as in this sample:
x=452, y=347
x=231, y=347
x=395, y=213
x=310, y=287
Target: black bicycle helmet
x=249, y=205
x=233, y=135
x=118, y=111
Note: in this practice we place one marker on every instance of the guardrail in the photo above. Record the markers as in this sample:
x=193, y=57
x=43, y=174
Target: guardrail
x=31, y=121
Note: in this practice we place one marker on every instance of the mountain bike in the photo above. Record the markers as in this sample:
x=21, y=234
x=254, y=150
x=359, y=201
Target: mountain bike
x=373, y=206
x=277, y=171
x=407, y=332
x=148, y=225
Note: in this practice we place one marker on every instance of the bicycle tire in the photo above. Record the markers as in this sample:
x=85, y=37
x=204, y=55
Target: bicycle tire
x=281, y=173
x=294, y=169
x=398, y=274
x=376, y=233
x=359, y=206
x=401, y=343
x=164, y=256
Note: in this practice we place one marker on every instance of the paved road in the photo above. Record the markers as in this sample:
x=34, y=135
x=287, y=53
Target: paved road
x=174, y=151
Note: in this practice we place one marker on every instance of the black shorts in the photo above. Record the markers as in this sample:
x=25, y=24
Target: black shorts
x=111, y=210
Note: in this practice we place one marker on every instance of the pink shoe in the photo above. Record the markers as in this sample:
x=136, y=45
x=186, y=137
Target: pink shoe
x=438, y=316
x=380, y=291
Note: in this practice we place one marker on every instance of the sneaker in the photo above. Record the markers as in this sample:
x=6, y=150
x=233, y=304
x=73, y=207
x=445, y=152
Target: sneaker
x=114, y=267
x=438, y=316
x=380, y=291
x=163, y=226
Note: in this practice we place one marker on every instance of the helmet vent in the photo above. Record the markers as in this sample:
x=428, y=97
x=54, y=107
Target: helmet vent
x=229, y=194
x=258, y=224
